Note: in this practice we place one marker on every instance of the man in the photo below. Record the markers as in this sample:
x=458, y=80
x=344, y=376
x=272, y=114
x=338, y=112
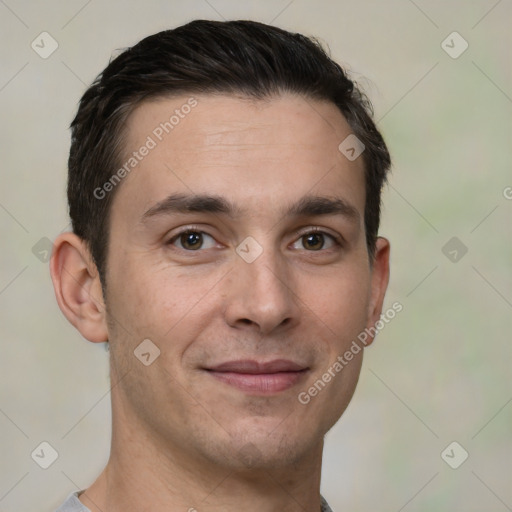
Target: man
x=224, y=189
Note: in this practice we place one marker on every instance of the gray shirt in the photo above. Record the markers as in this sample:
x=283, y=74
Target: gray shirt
x=73, y=504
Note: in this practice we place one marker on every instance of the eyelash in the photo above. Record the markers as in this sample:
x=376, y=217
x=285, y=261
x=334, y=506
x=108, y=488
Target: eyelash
x=337, y=239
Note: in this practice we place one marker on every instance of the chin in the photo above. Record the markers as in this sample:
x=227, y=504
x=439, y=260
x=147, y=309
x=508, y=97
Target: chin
x=267, y=447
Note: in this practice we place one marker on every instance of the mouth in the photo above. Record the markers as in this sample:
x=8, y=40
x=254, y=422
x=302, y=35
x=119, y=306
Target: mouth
x=262, y=378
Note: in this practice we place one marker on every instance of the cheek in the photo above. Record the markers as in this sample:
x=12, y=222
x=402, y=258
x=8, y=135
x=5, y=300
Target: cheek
x=339, y=300
x=342, y=306
x=155, y=301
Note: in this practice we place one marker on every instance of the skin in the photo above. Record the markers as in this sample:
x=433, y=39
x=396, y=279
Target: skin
x=182, y=438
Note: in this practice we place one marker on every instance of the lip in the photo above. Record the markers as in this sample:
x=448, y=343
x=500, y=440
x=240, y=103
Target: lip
x=259, y=377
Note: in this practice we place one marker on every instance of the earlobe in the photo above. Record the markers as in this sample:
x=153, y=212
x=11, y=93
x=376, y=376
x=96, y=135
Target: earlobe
x=77, y=287
x=379, y=283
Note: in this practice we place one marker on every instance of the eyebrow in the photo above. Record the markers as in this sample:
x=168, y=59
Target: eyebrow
x=306, y=206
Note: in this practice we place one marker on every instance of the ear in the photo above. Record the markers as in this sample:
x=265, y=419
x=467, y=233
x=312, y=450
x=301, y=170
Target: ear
x=78, y=288
x=379, y=284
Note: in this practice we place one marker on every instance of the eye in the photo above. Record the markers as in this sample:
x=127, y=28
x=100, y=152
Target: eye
x=316, y=240
x=192, y=240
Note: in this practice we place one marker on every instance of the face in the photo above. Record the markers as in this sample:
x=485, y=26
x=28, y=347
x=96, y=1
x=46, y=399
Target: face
x=237, y=246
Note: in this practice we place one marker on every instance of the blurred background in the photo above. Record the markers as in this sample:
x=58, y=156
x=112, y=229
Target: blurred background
x=429, y=426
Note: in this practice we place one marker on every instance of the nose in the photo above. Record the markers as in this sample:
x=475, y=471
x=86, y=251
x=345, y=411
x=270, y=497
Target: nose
x=260, y=295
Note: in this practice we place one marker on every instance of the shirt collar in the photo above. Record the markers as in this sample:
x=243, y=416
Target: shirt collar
x=77, y=505
x=325, y=505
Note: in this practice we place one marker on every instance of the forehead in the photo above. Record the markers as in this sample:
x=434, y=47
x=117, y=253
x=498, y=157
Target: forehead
x=247, y=150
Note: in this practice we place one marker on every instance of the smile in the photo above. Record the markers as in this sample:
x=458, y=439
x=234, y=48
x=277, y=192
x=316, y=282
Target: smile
x=258, y=377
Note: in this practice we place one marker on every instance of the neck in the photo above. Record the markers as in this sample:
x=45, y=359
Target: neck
x=144, y=473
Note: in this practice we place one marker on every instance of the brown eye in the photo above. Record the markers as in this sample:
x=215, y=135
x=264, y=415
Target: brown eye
x=192, y=240
x=316, y=241
x=313, y=241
